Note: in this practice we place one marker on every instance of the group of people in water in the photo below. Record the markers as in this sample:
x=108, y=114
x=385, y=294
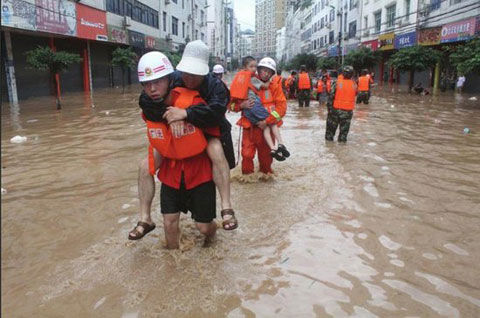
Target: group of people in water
x=190, y=144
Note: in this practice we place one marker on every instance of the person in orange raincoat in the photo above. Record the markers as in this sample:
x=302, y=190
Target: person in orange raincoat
x=323, y=89
x=273, y=99
x=364, y=82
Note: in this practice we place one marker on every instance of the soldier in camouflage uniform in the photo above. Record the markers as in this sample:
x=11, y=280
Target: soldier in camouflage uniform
x=341, y=102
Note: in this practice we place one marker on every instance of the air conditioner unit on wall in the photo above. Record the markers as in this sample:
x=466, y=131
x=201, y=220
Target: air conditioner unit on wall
x=168, y=37
x=167, y=2
x=127, y=21
x=366, y=33
x=189, y=17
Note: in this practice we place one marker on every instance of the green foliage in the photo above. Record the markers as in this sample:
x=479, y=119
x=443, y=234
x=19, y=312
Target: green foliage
x=174, y=58
x=466, y=58
x=327, y=63
x=361, y=58
x=124, y=58
x=414, y=58
x=43, y=58
x=309, y=60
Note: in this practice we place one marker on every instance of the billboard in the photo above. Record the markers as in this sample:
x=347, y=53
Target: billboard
x=385, y=41
x=117, y=35
x=19, y=14
x=429, y=36
x=372, y=45
x=136, y=39
x=91, y=23
x=150, y=42
x=405, y=40
x=56, y=16
x=458, y=31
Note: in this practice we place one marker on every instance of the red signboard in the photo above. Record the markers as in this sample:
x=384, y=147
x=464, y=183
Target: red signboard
x=56, y=16
x=149, y=42
x=91, y=23
x=372, y=45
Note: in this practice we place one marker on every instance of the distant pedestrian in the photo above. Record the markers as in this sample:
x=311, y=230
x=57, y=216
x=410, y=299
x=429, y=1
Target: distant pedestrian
x=460, y=82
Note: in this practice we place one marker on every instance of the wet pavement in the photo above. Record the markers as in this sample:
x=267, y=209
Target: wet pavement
x=384, y=226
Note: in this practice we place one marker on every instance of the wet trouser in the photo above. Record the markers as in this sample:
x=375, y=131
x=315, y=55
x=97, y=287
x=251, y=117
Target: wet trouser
x=335, y=118
x=303, y=97
x=363, y=96
x=252, y=141
x=291, y=92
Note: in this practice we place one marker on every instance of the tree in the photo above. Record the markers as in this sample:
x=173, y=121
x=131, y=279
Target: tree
x=124, y=58
x=43, y=58
x=362, y=58
x=309, y=60
x=414, y=58
x=174, y=58
x=327, y=63
x=466, y=58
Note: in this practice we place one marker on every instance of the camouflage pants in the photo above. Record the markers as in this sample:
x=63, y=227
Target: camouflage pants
x=303, y=97
x=363, y=97
x=335, y=118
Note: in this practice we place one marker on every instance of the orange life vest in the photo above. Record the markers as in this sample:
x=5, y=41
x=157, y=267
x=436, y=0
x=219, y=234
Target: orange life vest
x=240, y=84
x=345, y=95
x=189, y=145
x=363, y=83
x=321, y=88
x=289, y=81
x=303, y=81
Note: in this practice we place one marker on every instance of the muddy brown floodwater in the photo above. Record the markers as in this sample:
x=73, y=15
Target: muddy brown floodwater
x=385, y=226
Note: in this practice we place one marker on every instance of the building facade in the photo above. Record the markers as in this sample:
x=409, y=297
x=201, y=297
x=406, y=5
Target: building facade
x=269, y=17
x=93, y=29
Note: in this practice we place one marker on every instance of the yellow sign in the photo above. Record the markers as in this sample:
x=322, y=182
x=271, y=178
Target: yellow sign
x=386, y=41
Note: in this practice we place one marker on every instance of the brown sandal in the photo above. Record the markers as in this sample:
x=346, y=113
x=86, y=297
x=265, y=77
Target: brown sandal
x=137, y=234
x=231, y=222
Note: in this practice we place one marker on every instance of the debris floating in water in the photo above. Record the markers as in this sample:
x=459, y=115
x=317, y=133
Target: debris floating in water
x=99, y=303
x=18, y=139
x=122, y=219
x=4, y=191
x=392, y=106
x=285, y=260
x=125, y=206
x=32, y=120
x=466, y=130
x=472, y=98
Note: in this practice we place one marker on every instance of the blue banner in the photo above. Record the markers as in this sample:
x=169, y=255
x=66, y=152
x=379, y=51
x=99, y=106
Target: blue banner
x=405, y=40
x=333, y=50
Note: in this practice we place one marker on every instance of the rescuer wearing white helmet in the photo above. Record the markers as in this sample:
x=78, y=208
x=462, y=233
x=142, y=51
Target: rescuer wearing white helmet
x=153, y=70
x=193, y=73
x=261, y=121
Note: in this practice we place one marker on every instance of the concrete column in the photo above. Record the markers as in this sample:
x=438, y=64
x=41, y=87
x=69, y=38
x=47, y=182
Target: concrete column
x=10, y=71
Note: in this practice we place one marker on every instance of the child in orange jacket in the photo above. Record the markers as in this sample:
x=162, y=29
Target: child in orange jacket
x=244, y=86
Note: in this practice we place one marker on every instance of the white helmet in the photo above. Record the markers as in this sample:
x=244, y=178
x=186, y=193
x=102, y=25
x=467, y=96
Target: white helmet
x=218, y=69
x=195, y=58
x=268, y=62
x=153, y=65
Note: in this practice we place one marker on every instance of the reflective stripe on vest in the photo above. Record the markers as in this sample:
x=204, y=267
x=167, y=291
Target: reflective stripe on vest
x=303, y=81
x=363, y=82
x=160, y=136
x=344, y=95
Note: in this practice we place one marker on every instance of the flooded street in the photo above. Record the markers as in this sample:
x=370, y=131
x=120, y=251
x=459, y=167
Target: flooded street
x=384, y=226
